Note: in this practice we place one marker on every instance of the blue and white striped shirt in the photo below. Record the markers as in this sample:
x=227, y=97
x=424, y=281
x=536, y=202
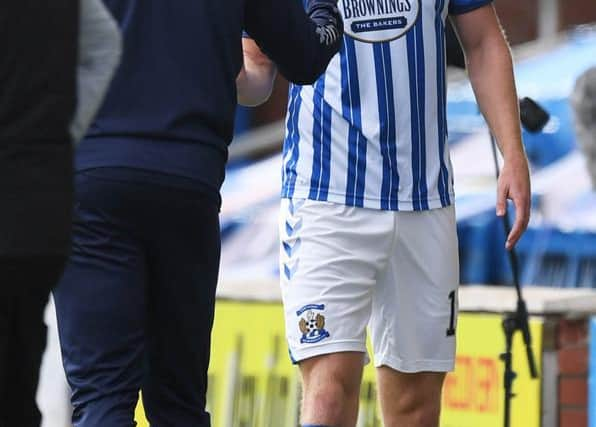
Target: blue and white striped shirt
x=372, y=131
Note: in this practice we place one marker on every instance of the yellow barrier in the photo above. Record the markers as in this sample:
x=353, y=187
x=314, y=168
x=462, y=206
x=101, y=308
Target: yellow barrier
x=473, y=394
x=253, y=384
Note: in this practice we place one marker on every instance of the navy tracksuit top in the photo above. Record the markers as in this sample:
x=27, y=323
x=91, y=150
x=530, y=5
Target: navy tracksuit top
x=170, y=108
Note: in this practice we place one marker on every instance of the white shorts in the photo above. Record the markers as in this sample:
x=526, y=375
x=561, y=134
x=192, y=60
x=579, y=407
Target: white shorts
x=343, y=268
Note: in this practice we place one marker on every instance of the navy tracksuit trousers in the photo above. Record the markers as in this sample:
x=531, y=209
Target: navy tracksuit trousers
x=135, y=305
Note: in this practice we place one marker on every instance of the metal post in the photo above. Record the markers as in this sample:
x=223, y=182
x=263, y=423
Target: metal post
x=548, y=18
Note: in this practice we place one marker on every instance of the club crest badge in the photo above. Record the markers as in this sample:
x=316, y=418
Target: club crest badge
x=374, y=21
x=312, y=323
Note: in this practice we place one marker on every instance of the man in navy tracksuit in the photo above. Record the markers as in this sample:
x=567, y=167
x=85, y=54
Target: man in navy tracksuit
x=135, y=306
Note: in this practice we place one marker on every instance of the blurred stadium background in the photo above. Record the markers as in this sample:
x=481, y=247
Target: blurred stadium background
x=252, y=382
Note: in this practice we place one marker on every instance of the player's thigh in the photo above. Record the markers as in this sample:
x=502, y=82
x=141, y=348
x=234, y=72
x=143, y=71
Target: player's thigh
x=415, y=304
x=330, y=256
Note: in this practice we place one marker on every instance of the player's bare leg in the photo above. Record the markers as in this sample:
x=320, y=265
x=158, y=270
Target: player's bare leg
x=331, y=388
x=410, y=399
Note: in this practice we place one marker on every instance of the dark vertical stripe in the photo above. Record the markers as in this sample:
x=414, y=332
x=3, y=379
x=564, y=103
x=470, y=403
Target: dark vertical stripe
x=415, y=119
x=417, y=104
x=351, y=112
x=361, y=176
x=392, y=131
x=357, y=120
x=422, y=111
x=294, y=140
x=287, y=149
x=442, y=93
x=384, y=119
x=387, y=120
x=439, y=28
x=326, y=161
x=346, y=102
x=444, y=169
x=317, y=138
x=288, y=137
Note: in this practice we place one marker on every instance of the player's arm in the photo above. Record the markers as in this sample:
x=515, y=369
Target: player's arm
x=100, y=48
x=490, y=69
x=255, y=80
x=301, y=44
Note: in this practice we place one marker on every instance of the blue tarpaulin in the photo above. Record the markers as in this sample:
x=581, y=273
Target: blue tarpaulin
x=548, y=78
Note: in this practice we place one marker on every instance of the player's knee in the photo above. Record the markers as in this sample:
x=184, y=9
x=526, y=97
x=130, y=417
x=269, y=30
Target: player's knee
x=329, y=403
x=425, y=416
x=418, y=408
x=329, y=388
x=324, y=403
x=337, y=373
x=332, y=388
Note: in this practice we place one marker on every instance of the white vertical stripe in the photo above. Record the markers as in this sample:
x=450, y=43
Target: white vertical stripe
x=333, y=84
x=338, y=181
x=305, y=128
x=370, y=119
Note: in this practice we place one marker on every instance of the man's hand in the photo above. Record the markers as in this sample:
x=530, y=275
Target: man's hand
x=255, y=80
x=326, y=15
x=514, y=184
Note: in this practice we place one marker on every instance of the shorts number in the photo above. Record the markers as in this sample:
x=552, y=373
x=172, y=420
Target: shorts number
x=451, y=328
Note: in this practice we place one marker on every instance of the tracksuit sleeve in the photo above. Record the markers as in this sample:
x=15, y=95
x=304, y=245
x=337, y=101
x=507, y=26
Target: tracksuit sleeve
x=458, y=7
x=100, y=46
x=301, y=44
